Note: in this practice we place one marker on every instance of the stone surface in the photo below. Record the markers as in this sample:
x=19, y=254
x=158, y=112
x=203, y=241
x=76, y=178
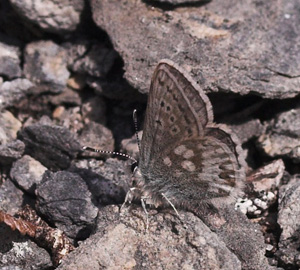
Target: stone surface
x=90, y=57
x=288, y=219
x=11, y=198
x=283, y=135
x=64, y=198
x=11, y=92
x=122, y=243
x=27, y=173
x=9, y=126
x=46, y=65
x=96, y=136
x=10, y=63
x=52, y=16
x=248, y=130
x=53, y=146
x=108, y=181
x=17, y=252
x=229, y=47
x=11, y=151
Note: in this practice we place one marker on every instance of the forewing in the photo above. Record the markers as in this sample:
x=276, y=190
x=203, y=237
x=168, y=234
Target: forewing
x=177, y=108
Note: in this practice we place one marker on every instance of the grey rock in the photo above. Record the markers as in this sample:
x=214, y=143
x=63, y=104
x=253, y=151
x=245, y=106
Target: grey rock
x=64, y=198
x=10, y=61
x=9, y=126
x=90, y=58
x=27, y=173
x=46, y=65
x=53, y=146
x=288, y=219
x=11, y=198
x=108, y=181
x=226, y=47
x=52, y=16
x=11, y=151
x=122, y=243
x=283, y=136
x=19, y=253
x=248, y=130
x=97, y=136
x=241, y=236
x=268, y=177
x=11, y=92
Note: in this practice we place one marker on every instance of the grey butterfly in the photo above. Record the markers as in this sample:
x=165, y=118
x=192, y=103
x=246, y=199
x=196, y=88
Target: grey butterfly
x=185, y=159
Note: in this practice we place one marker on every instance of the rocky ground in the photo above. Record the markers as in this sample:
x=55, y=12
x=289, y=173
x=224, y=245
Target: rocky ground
x=71, y=73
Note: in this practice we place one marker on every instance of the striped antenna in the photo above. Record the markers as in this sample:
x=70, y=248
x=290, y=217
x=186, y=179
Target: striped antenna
x=136, y=129
x=108, y=152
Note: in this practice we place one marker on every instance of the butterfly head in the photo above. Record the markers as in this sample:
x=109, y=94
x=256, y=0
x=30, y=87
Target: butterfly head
x=137, y=179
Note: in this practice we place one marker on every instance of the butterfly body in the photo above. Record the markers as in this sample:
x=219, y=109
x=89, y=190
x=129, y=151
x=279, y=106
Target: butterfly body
x=184, y=156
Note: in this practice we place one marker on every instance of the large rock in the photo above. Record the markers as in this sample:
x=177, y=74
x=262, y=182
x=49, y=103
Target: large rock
x=226, y=46
x=52, y=16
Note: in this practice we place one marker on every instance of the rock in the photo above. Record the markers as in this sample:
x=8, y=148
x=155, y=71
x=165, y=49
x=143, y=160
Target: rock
x=10, y=61
x=52, y=16
x=46, y=65
x=27, y=173
x=11, y=151
x=17, y=252
x=12, y=92
x=9, y=126
x=11, y=198
x=216, y=43
x=96, y=136
x=282, y=136
x=248, y=130
x=108, y=181
x=90, y=57
x=53, y=146
x=64, y=198
x=267, y=177
x=240, y=235
x=121, y=243
x=288, y=219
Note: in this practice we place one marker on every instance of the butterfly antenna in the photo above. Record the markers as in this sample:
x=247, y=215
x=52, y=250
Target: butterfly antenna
x=84, y=148
x=134, y=116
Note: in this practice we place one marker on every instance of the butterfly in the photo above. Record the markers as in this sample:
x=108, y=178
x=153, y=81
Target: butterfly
x=186, y=160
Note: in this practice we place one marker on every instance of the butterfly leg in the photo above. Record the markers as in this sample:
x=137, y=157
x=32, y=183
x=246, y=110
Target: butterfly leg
x=128, y=198
x=174, y=208
x=143, y=202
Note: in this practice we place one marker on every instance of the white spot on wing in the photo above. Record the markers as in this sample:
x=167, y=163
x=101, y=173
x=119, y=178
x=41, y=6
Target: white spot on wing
x=179, y=150
x=188, y=165
x=167, y=161
x=188, y=154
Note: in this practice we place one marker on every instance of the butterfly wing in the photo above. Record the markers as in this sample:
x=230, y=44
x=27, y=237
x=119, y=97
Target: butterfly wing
x=177, y=108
